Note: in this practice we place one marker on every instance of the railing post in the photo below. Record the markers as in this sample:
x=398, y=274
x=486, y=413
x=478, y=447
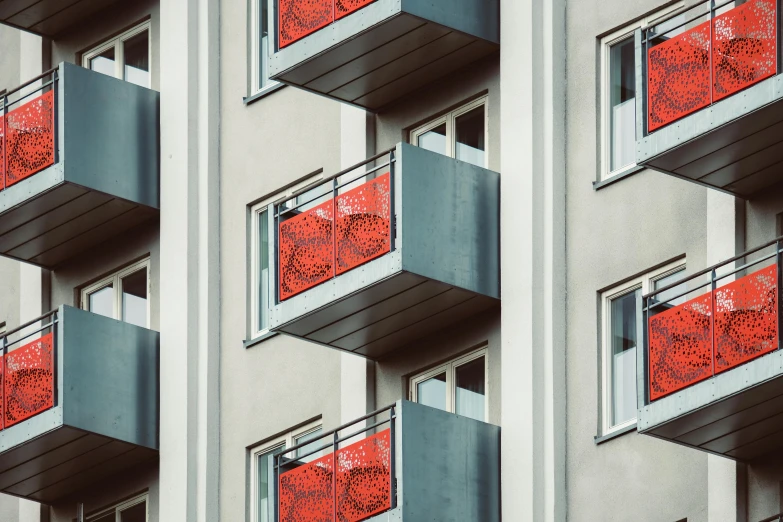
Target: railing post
x=392, y=206
x=334, y=226
x=778, y=259
x=5, y=141
x=335, y=445
x=392, y=456
x=4, y=377
x=276, y=486
x=713, y=287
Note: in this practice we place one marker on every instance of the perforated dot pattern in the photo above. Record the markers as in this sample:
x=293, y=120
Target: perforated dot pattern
x=299, y=18
x=29, y=145
x=307, y=492
x=29, y=380
x=363, y=223
x=345, y=7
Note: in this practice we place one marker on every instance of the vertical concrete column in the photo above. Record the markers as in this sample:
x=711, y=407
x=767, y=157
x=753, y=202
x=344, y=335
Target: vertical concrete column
x=725, y=238
x=357, y=374
x=532, y=82
x=189, y=241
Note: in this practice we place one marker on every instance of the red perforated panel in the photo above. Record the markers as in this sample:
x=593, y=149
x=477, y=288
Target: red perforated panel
x=363, y=223
x=307, y=492
x=680, y=341
x=306, y=250
x=364, y=478
x=29, y=380
x=678, y=76
x=30, y=138
x=298, y=18
x=746, y=322
x=744, y=46
x=345, y=7
x=2, y=153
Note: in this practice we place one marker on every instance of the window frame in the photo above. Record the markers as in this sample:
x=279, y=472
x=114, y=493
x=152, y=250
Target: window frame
x=256, y=25
x=284, y=440
x=121, y=506
x=115, y=279
x=117, y=42
x=606, y=44
x=449, y=368
x=450, y=119
x=645, y=282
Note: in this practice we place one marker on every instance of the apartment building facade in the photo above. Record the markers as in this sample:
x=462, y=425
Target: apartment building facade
x=390, y=260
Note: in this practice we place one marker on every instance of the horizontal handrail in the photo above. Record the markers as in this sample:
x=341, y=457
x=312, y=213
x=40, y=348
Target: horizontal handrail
x=650, y=30
x=30, y=323
x=31, y=81
x=774, y=518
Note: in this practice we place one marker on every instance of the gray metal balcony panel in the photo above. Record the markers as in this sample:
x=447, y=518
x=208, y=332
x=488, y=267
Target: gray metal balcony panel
x=105, y=179
x=388, y=49
x=105, y=417
x=48, y=17
x=445, y=266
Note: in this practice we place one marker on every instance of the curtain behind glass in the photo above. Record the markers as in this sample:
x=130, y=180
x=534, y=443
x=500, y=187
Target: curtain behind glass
x=623, y=356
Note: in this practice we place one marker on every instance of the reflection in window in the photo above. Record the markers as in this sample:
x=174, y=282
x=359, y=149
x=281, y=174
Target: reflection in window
x=134, y=298
x=137, y=59
x=470, y=382
x=434, y=140
x=470, y=137
x=263, y=270
x=623, y=355
x=104, y=62
x=432, y=392
x=304, y=450
x=102, y=301
x=622, y=105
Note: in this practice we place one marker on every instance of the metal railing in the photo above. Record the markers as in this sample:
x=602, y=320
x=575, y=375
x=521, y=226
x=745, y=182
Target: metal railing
x=307, y=225
x=692, y=53
x=330, y=465
x=28, y=144
x=775, y=518
x=708, y=314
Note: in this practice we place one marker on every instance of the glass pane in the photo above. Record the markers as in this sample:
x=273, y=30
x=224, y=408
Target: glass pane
x=137, y=59
x=622, y=105
x=623, y=356
x=668, y=294
x=434, y=140
x=104, y=62
x=432, y=392
x=137, y=513
x=134, y=298
x=310, y=447
x=101, y=302
x=263, y=270
x=263, y=69
x=470, y=137
x=470, y=390
x=265, y=468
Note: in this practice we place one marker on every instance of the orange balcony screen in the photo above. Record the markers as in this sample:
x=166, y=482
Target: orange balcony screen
x=29, y=138
x=299, y=18
x=28, y=375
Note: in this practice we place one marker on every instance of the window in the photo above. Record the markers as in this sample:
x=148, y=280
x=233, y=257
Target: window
x=618, y=83
x=123, y=295
x=262, y=467
x=460, y=134
x=134, y=510
x=126, y=56
x=622, y=334
x=259, y=47
x=459, y=386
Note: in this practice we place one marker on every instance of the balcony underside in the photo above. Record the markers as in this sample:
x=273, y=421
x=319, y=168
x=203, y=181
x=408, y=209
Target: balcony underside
x=392, y=313
x=62, y=221
x=63, y=461
x=48, y=17
x=734, y=145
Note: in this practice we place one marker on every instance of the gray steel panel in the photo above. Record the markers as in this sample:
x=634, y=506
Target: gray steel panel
x=34, y=187
x=110, y=377
x=52, y=219
x=359, y=301
x=37, y=446
x=95, y=236
x=418, y=312
x=71, y=229
x=450, y=466
x=758, y=181
x=82, y=462
x=739, y=420
x=479, y=18
x=471, y=308
x=417, y=79
x=378, y=57
x=40, y=11
x=747, y=435
x=423, y=56
x=352, y=49
x=757, y=448
x=16, y=436
x=738, y=170
x=51, y=459
x=354, y=322
x=111, y=135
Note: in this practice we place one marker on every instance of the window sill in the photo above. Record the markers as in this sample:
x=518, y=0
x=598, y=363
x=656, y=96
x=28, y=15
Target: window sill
x=263, y=92
x=615, y=434
x=258, y=340
x=630, y=171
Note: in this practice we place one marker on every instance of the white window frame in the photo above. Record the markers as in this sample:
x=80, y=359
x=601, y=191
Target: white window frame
x=646, y=283
x=116, y=280
x=255, y=50
x=255, y=211
x=119, y=50
x=607, y=42
x=449, y=119
x=122, y=506
x=450, y=368
x=286, y=440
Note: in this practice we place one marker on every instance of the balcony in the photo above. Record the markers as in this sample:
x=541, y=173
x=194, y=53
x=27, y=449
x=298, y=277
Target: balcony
x=713, y=369
x=79, y=403
x=48, y=17
x=372, y=52
x=396, y=248
x=712, y=96
x=411, y=463
x=78, y=163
